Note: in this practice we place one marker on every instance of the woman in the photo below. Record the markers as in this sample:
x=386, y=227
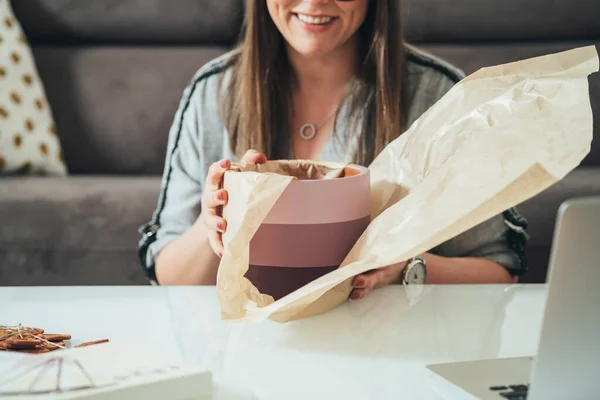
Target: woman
x=340, y=66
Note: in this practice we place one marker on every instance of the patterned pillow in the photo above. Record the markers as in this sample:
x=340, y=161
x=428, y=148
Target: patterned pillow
x=28, y=139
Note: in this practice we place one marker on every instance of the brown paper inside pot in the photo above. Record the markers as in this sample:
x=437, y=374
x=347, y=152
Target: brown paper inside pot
x=298, y=169
x=499, y=137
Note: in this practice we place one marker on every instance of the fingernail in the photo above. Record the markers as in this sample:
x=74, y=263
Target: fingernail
x=360, y=283
x=220, y=195
x=220, y=226
x=355, y=295
x=221, y=254
x=224, y=163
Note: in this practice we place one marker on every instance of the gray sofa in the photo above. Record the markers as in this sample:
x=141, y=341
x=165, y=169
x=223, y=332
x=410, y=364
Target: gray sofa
x=114, y=72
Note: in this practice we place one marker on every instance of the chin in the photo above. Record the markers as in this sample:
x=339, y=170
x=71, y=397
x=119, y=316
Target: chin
x=312, y=49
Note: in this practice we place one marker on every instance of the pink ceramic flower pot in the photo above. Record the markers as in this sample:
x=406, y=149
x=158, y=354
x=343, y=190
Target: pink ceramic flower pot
x=309, y=231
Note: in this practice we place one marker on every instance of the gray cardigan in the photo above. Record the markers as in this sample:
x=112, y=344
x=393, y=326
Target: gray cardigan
x=198, y=138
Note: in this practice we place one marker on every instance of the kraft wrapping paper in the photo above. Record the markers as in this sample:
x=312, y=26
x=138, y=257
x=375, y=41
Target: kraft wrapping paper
x=497, y=138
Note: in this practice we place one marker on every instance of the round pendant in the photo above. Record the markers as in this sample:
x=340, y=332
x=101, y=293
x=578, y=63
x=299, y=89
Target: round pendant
x=311, y=127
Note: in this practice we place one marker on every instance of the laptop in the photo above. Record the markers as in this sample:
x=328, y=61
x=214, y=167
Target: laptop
x=567, y=363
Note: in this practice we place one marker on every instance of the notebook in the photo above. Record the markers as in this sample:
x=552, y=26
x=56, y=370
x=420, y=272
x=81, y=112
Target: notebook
x=110, y=370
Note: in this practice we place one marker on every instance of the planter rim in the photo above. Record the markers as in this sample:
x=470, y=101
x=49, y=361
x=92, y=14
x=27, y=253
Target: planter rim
x=361, y=172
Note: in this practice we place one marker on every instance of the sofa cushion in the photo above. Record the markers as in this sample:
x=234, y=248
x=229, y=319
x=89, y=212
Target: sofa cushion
x=114, y=106
x=73, y=230
x=106, y=100
x=28, y=140
x=541, y=212
x=77, y=213
x=507, y=20
x=474, y=56
x=39, y=267
x=219, y=21
x=131, y=21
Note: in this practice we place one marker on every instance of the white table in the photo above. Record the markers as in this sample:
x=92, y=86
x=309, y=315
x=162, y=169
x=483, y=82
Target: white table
x=375, y=348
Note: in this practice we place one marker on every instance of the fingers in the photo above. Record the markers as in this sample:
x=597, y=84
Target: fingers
x=254, y=157
x=374, y=279
x=218, y=169
x=369, y=279
x=215, y=223
x=216, y=227
x=216, y=242
x=366, y=282
x=215, y=199
x=357, y=294
x=212, y=200
x=215, y=175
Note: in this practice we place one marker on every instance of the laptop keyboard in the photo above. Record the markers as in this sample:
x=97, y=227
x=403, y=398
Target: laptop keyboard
x=511, y=392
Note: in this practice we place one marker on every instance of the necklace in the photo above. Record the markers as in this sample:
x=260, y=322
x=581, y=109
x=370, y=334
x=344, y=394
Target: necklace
x=312, y=128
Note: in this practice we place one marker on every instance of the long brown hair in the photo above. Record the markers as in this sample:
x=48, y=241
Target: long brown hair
x=255, y=105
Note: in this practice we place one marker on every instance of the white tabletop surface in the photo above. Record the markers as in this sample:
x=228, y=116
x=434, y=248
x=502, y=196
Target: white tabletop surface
x=375, y=348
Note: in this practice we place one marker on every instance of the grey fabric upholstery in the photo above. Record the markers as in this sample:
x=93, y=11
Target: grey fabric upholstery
x=115, y=70
x=75, y=230
x=580, y=182
x=219, y=21
x=541, y=214
x=460, y=21
x=113, y=106
x=130, y=22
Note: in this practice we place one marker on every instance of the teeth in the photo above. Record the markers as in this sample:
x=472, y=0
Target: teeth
x=312, y=20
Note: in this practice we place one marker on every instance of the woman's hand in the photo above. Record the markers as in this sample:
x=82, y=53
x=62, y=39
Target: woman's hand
x=440, y=270
x=215, y=197
x=375, y=279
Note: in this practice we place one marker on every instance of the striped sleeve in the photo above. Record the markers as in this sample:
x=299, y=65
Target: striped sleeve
x=189, y=153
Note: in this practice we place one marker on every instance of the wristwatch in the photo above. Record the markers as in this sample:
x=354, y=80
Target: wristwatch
x=414, y=272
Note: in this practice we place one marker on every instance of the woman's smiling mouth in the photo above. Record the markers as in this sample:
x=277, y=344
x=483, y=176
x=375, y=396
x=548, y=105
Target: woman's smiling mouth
x=315, y=23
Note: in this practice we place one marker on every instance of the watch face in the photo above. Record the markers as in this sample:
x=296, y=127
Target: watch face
x=416, y=274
